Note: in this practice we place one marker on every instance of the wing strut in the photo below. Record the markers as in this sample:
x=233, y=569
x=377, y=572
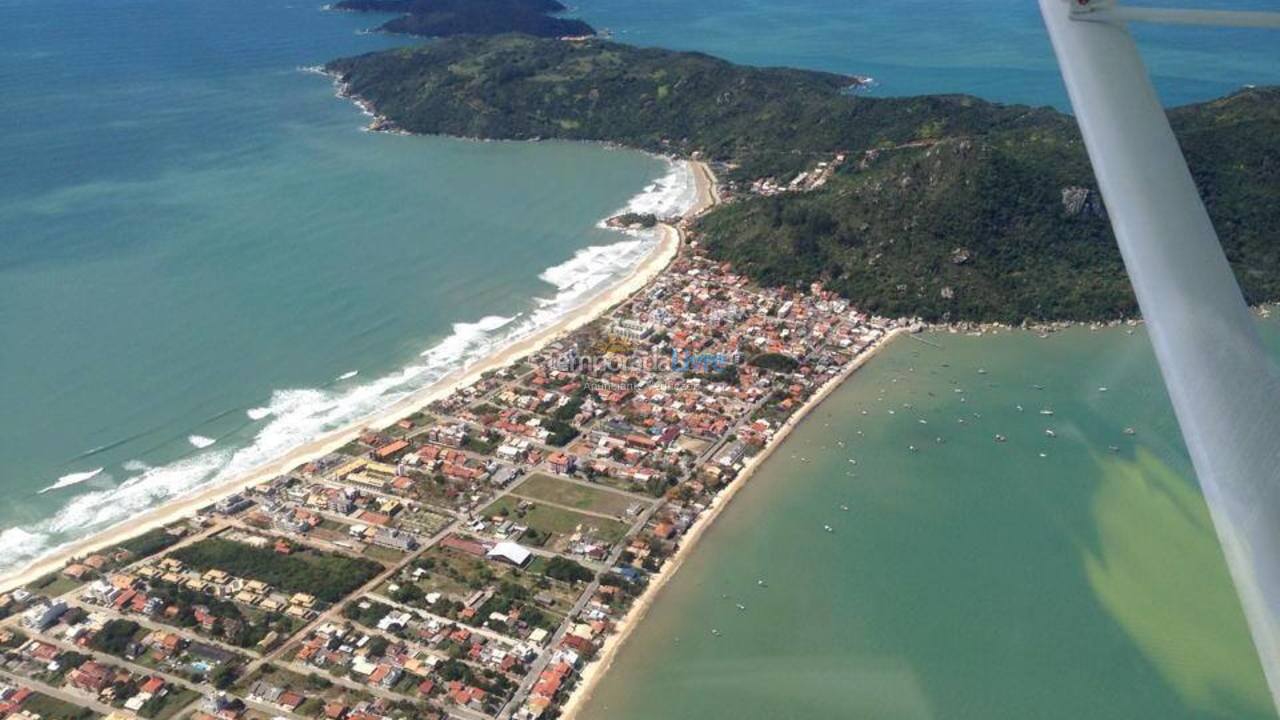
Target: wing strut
x=1225, y=390
x=1109, y=11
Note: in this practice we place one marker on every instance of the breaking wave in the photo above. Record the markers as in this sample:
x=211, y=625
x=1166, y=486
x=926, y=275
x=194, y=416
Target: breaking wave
x=348, y=375
x=293, y=417
x=670, y=195
x=72, y=479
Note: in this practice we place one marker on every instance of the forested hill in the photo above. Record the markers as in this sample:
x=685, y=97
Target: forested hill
x=948, y=207
x=446, y=18
x=766, y=119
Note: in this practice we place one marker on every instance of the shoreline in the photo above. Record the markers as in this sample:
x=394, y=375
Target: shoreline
x=670, y=239
x=595, y=671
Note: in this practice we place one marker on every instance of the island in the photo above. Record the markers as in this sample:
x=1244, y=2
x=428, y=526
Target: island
x=445, y=18
x=947, y=207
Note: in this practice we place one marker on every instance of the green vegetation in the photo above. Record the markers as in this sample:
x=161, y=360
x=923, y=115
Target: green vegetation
x=163, y=707
x=443, y=18
x=54, y=584
x=547, y=522
x=521, y=88
x=366, y=612
x=566, y=570
x=946, y=207
x=328, y=577
x=774, y=361
x=562, y=433
x=115, y=637
x=51, y=708
x=233, y=624
x=645, y=220
x=566, y=412
x=574, y=495
x=149, y=542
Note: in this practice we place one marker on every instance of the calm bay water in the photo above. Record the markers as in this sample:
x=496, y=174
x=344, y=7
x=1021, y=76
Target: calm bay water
x=199, y=241
x=969, y=578
x=994, y=49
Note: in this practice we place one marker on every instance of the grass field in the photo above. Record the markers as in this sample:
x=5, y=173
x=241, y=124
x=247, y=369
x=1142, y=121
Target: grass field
x=55, y=709
x=569, y=494
x=549, y=520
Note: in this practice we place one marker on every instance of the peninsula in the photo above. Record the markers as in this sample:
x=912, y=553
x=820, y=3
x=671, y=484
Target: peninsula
x=944, y=207
x=469, y=557
x=479, y=550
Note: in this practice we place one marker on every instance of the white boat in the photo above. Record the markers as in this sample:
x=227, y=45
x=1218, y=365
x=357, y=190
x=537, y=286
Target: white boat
x=1046, y=411
x=827, y=528
x=1050, y=433
x=1001, y=438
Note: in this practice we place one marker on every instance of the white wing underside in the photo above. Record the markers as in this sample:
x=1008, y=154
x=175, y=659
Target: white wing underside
x=1224, y=388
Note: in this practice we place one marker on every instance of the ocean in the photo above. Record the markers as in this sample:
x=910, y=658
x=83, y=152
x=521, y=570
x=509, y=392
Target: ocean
x=205, y=260
x=1073, y=576
x=995, y=49
x=969, y=579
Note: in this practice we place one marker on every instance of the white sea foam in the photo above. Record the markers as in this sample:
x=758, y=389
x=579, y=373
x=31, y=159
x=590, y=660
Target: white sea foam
x=297, y=416
x=72, y=479
x=19, y=543
x=135, y=466
x=466, y=339
x=670, y=195
x=348, y=375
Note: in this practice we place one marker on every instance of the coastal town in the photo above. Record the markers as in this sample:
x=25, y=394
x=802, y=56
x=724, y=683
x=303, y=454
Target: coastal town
x=472, y=559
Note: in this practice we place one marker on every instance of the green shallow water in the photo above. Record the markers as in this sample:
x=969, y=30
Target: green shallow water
x=969, y=578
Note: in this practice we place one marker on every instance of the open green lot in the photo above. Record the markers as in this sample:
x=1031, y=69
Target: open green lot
x=456, y=575
x=55, y=709
x=570, y=494
x=551, y=523
x=328, y=577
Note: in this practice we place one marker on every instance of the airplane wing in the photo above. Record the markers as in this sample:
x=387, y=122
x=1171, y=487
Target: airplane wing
x=1225, y=390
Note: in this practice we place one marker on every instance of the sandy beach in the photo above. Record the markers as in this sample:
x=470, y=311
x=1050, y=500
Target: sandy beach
x=592, y=674
x=664, y=252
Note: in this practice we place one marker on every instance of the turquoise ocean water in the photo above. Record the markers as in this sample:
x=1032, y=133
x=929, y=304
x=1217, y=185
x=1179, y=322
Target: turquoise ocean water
x=197, y=242
x=199, y=246
x=995, y=49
